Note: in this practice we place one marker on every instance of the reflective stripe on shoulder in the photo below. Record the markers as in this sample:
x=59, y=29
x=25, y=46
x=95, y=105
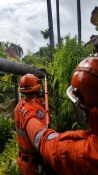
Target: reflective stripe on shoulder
x=38, y=137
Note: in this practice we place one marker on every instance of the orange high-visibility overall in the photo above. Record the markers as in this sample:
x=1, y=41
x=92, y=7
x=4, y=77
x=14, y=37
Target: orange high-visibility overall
x=69, y=153
x=24, y=111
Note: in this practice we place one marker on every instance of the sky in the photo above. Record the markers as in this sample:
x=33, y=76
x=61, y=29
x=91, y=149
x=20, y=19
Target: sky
x=21, y=21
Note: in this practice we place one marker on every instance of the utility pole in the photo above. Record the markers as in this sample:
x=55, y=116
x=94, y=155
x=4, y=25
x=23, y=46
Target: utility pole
x=50, y=24
x=58, y=22
x=79, y=19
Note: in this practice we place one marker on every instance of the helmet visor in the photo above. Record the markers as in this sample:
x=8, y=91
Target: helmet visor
x=78, y=107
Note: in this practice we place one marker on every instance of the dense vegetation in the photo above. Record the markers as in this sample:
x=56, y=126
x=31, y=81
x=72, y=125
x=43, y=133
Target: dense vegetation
x=65, y=60
x=62, y=114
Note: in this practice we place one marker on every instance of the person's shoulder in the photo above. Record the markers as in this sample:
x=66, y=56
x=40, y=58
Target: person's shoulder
x=40, y=101
x=76, y=135
x=20, y=102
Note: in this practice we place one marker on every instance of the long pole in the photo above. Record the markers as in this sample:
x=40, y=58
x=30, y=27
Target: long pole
x=79, y=20
x=46, y=103
x=58, y=21
x=50, y=24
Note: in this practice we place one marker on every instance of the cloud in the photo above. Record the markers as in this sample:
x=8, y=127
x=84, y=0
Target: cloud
x=22, y=20
x=87, y=28
x=69, y=18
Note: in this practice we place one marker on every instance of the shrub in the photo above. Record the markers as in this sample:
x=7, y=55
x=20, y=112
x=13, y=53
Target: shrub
x=8, y=162
x=6, y=129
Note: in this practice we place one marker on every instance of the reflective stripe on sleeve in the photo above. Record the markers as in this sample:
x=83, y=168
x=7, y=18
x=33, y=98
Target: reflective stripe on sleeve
x=37, y=138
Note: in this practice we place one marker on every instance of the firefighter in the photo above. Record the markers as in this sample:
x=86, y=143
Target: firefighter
x=30, y=106
x=73, y=152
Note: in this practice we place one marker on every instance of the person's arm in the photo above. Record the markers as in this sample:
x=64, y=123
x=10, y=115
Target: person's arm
x=57, y=149
x=39, y=135
x=36, y=130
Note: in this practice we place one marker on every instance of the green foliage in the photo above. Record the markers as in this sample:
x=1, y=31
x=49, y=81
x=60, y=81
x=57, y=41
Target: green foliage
x=35, y=60
x=44, y=52
x=45, y=33
x=8, y=162
x=65, y=60
x=6, y=86
x=8, y=149
x=40, y=58
x=2, y=51
x=6, y=128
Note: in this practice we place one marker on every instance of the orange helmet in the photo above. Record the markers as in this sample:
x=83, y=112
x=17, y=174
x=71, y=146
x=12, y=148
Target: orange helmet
x=29, y=83
x=85, y=81
x=83, y=91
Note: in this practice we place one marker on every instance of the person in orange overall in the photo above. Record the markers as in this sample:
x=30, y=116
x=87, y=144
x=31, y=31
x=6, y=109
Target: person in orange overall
x=30, y=106
x=73, y=152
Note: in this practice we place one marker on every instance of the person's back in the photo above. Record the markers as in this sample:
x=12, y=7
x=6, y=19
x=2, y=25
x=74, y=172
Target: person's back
x=72, y=153
x=31, y=105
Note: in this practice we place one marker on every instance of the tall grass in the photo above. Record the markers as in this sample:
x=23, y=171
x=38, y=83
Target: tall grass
x=65, y=61
x=8, y=163
x=6, y=128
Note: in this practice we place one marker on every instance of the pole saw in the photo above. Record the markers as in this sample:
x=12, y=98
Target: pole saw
x=42, y=169
x=45, y=170
x=46, y=103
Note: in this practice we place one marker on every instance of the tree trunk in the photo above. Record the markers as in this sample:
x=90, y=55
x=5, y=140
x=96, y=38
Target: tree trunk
x=50, y=24
x=79, y=20
x=20, y=68
x=58, y=22
x=17, y=94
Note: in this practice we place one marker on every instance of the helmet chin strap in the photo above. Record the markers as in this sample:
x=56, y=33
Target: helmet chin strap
x=80, y=115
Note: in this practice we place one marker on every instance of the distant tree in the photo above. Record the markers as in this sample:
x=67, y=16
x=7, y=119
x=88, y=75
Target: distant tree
x=2, y=50
x=44, y=52
x=18, y=50
x=39, y=58
x=45, y=33
x=79, y=19
x=50, y=23
x=58, y=22
x=14, y=50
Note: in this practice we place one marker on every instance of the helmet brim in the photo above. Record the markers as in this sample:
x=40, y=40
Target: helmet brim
x=29, y=89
